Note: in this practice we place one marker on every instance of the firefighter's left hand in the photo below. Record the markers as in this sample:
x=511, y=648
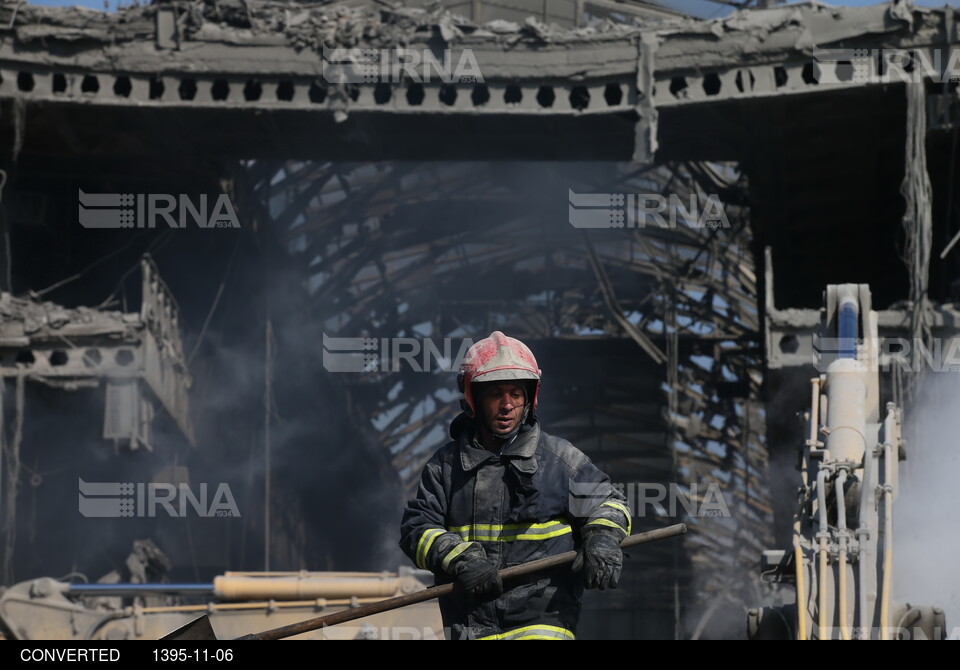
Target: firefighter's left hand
x=601, y=560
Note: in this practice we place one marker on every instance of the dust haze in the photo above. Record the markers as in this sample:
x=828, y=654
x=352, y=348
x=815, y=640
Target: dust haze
x=925, y=540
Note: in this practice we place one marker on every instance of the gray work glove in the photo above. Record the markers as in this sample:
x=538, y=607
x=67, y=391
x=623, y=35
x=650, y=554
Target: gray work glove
x=601, y=560
x=475, y=578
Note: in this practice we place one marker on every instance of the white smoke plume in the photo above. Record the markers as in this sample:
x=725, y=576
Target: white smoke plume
x=926, y=544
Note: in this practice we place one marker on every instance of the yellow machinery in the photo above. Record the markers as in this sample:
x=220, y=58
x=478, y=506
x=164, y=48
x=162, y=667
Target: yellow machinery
x=236, y=604
x=841, y=561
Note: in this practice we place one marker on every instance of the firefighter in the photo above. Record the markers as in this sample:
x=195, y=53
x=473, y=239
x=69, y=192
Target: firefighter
x=504, y=492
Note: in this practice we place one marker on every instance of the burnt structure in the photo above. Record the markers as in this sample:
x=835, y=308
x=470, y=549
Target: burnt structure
x=393, y=206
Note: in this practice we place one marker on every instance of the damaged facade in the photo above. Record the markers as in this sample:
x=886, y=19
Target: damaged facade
x=84, y=347
x=427, y=202
x=135, y=360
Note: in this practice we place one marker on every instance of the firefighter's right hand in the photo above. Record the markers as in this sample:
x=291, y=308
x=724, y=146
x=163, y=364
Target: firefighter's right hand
x=475, y=578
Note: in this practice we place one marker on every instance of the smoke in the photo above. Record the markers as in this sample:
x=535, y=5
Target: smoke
x=925, y=542
x=330, y=501
x=326, y=482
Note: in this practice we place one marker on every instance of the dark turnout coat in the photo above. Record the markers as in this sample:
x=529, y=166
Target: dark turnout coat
x=532, y=500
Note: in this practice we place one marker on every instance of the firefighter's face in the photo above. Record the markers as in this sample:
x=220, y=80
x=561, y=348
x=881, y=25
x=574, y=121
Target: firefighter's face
x=502, y=407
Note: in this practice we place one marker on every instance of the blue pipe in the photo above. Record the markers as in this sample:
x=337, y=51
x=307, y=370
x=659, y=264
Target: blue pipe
x=137, y=589
x=848, y=330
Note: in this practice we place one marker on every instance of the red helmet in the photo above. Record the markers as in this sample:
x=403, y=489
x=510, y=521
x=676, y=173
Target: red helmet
x=498, y=358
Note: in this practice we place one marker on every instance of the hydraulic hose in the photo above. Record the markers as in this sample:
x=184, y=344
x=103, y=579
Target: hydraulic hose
x=842, y=542
x=823, y=534
x=887, y=536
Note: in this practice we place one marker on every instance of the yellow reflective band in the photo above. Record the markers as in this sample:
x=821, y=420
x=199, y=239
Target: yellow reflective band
x=538, y=637
x=606, y=522
x=507, y=526
x=519, y=536
x=423, y=546
x=512, y=531
x=537, y=632
x=622, y=508
x=453, y=553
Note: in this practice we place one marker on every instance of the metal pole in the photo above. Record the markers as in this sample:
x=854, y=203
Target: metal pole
x=8, y=255
x=3, y=452
x=267, y=402
x=673, y=380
